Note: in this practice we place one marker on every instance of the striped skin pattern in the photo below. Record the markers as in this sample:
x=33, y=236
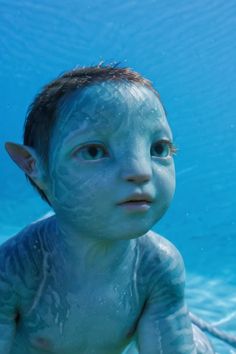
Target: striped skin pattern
x=165, y=324
x=92, y=278
x=156, y=282
x=25, y=271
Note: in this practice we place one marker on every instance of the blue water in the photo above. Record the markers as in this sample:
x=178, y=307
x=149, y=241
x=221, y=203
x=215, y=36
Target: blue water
x=188, y=49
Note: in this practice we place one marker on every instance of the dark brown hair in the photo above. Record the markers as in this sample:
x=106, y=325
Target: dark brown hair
x=41, y=114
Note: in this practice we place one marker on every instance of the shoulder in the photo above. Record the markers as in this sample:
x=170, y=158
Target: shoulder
x=27, y=237
x=22, y=253
x=162, y=263
x=159, y=250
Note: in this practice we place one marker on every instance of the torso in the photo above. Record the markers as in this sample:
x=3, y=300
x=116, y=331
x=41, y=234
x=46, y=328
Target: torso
x=87, y=314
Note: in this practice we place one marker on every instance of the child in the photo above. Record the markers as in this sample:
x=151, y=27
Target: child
x=93, y=278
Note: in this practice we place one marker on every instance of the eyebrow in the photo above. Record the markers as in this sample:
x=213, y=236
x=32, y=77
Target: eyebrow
x=75, y=134
x=84, y=130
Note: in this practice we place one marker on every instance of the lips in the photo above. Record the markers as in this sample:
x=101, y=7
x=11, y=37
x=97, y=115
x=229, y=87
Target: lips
x=137, y=199
x=141, y=201
x=136, y=204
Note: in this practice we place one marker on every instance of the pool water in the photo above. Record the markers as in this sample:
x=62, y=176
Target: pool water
x=188, y=50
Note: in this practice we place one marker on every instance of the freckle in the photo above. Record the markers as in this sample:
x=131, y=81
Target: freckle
x=44, y=343
x=131, y=331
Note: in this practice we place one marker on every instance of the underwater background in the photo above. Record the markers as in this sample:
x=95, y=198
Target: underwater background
x=188, y=50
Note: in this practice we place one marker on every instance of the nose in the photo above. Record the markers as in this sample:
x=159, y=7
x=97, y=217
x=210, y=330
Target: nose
x=137, y=171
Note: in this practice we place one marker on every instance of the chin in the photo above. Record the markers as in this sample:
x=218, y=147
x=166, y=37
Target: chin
x=131, y=233
x=137, y=227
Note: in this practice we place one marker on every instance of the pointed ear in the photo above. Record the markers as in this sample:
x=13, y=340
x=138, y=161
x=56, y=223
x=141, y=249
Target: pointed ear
x=26, y=158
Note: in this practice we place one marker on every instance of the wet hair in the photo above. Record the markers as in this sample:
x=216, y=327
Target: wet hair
x=42, y=113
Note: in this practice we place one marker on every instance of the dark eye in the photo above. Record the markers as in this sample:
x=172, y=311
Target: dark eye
x=91, y=152
x=162, y=148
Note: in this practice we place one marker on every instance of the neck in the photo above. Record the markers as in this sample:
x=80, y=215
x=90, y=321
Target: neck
x=87, y=252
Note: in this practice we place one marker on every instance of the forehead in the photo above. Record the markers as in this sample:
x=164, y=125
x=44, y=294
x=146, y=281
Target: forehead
x=108, y=108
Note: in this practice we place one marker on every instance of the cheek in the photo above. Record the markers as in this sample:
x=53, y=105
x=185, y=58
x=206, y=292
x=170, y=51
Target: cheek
x=76, y=189
x=165, y=183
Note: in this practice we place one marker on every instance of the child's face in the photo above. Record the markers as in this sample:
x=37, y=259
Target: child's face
x=111, y=144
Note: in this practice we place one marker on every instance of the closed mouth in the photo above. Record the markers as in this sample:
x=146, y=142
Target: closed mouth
x=136, y=205
x=141, y=201
x=137, y=200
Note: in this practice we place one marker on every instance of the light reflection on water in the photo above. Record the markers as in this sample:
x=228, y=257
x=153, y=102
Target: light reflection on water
x=215, y=302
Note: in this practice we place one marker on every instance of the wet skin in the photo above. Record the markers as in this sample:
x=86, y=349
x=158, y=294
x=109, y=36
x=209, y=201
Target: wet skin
x=93, y=277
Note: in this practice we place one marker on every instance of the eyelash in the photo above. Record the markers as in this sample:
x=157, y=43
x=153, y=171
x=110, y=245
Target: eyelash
x=172, y=149
x=83, y=148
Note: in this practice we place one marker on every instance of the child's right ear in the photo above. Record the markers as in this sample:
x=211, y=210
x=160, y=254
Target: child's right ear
x=26, y=158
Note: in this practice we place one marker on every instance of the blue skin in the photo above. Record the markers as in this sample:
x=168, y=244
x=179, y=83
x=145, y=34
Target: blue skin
x=93, y=278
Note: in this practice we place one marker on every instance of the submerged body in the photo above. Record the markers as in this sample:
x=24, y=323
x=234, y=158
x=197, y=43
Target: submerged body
x=93, y=278
x=55, y=307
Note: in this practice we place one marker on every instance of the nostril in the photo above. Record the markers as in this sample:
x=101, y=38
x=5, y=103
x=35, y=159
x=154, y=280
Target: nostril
x=141, y=178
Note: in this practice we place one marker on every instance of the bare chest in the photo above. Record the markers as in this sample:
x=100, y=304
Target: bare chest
x=88, y=315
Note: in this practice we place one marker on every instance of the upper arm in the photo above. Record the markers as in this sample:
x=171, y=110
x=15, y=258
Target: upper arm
x=164, y=326
x=7, y=309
